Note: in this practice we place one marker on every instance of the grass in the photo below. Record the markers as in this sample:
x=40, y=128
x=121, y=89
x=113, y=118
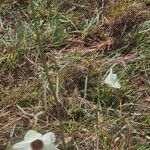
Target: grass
x=80, y=41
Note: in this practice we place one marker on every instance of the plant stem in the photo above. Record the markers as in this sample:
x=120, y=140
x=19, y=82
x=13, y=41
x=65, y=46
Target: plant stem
x=85, y=87
x=42, y=59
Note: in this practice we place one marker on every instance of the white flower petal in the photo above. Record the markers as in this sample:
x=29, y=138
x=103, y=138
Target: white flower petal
x=48, y=137
x=116, y=85
x=50, y=146
x=23, y=145
x=112, y=80
x=32, y=135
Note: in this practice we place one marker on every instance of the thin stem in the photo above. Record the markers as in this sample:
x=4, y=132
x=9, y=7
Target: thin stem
x=45, y=96
x=57, y=85
x=98, y=111
x=42, y=59
x=10, y=137
x=85, y=87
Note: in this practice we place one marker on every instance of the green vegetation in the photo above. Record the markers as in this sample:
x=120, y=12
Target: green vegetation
x=53, y=63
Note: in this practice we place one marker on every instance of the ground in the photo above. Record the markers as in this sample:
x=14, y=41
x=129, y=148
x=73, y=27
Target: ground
x=54, y=57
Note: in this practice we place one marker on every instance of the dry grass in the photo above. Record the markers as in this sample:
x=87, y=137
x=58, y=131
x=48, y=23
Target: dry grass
x=81, y=40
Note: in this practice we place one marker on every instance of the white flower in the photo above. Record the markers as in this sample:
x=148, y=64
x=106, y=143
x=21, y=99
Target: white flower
x=112, y=80
x=36, y=141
